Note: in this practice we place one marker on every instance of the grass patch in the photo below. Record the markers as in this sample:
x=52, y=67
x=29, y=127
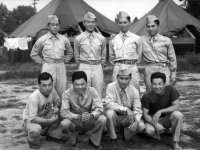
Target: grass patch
x=7, y=105
x=16, y=131
x=3, y=130
x=13, y=100
x=17, y=117
x=4, y=97
x=193, y=134
x=3, y=118
x=20, y=91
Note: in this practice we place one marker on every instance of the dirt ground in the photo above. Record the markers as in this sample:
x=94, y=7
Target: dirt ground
x=14, y=94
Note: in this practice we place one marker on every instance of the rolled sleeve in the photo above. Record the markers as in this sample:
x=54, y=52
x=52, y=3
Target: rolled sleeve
x=139, y=50
x=33, y=108
x=103, y=56
x=111, y=53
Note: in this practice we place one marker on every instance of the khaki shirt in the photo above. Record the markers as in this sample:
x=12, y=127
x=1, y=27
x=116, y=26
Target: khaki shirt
x=159, y=50
x=127, y=49
x=86, y=49
x=113, y=99
x=52, y=47
x=72, y=105
x=39, y=105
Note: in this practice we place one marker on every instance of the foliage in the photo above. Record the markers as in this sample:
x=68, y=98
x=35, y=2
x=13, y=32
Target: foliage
x=189, y=62
x=9, y=20
x=192, y=7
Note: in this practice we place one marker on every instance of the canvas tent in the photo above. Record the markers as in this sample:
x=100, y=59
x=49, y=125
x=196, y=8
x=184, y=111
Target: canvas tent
x=173, y=19
x=70, y=12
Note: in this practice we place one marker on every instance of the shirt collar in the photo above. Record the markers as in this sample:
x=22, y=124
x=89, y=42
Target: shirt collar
x=50, y=35
x=155, y=37
x=88, y=34
x=120, y=89
x=85, y=94
x=127, y=33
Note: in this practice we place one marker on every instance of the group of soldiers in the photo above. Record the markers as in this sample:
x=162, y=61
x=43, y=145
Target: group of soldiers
x=52, y=109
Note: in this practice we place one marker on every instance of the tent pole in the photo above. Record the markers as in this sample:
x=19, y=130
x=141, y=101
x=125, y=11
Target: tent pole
x=98, y=31
x=81, y=31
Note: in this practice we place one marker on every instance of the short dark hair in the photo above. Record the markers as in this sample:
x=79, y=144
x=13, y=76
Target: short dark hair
x=44, y=76
x=79, y=75
x=158, y=75
x=157, y=22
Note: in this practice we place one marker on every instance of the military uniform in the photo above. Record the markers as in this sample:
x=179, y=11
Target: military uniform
x=53, y=57
x=90, y=56
x=125, y=49
x=160, y=56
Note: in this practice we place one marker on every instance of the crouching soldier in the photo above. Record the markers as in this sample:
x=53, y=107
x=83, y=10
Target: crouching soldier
x=161, y=109
x=81, y=110
x=41, y=111
x=123, y=107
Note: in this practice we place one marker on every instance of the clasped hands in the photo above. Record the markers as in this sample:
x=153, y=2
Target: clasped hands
x=85, y=116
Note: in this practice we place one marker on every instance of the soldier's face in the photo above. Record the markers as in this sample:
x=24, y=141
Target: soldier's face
x=123, y=80
x=158, y=86
x=124, y=25
x=80, y=86
x=54, y=27
x=46, y=87
x=90, y=25
x=152, y=28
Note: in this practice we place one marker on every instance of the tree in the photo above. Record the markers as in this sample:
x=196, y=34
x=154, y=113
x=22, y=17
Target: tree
x=4, y=12
x=192, y=7
x=9, y=20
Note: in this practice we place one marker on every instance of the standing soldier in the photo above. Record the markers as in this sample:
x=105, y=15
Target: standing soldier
x=125, y=49
x=158, y=52
x=53, y=46
x=90, y=53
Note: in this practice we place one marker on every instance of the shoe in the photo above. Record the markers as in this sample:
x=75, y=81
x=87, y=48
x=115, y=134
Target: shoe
x=114, y=144
x=32, y=145
x=156, y=136
x=52, y=139
x=94, y=146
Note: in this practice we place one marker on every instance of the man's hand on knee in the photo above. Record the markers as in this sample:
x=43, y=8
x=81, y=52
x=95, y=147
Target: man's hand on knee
x=87, y=116
x=133, y=126
x=159, y=128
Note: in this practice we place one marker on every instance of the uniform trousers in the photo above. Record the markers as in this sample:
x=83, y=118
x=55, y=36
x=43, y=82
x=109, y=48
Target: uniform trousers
x=96, y=127
x=134, y=73
x=94, y=76
x=34, y=130
x=115, y=120
x=173, y=120
x=152, y=68
x=58, y=72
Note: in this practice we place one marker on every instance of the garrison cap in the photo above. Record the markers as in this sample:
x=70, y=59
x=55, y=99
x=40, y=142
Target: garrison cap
x=52, y=18
x=151, y=18
x=121, y=15
x=89, y=15
x=124, y=70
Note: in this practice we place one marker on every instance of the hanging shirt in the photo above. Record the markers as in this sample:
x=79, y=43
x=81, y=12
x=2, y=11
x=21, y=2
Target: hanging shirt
x=125, y=46
x=72, y=104
x=52, y=47
x=39, y=105
x=23, y=43
x=132, y=101
x=159, y=49
x=90, y=47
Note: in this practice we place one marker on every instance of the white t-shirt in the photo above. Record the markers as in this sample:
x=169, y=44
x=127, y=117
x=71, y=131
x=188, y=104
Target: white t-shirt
x=39, y=105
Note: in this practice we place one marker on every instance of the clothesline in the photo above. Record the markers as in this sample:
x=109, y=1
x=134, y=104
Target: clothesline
x=15, y=43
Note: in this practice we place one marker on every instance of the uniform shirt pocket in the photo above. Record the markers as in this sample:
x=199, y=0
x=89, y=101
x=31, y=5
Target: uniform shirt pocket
x=162, y=49
x=118, y=53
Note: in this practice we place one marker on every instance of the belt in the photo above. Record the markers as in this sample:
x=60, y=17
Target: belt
x=91, y=62
x=158, y=64
x=54, y=61
x=128, y=62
